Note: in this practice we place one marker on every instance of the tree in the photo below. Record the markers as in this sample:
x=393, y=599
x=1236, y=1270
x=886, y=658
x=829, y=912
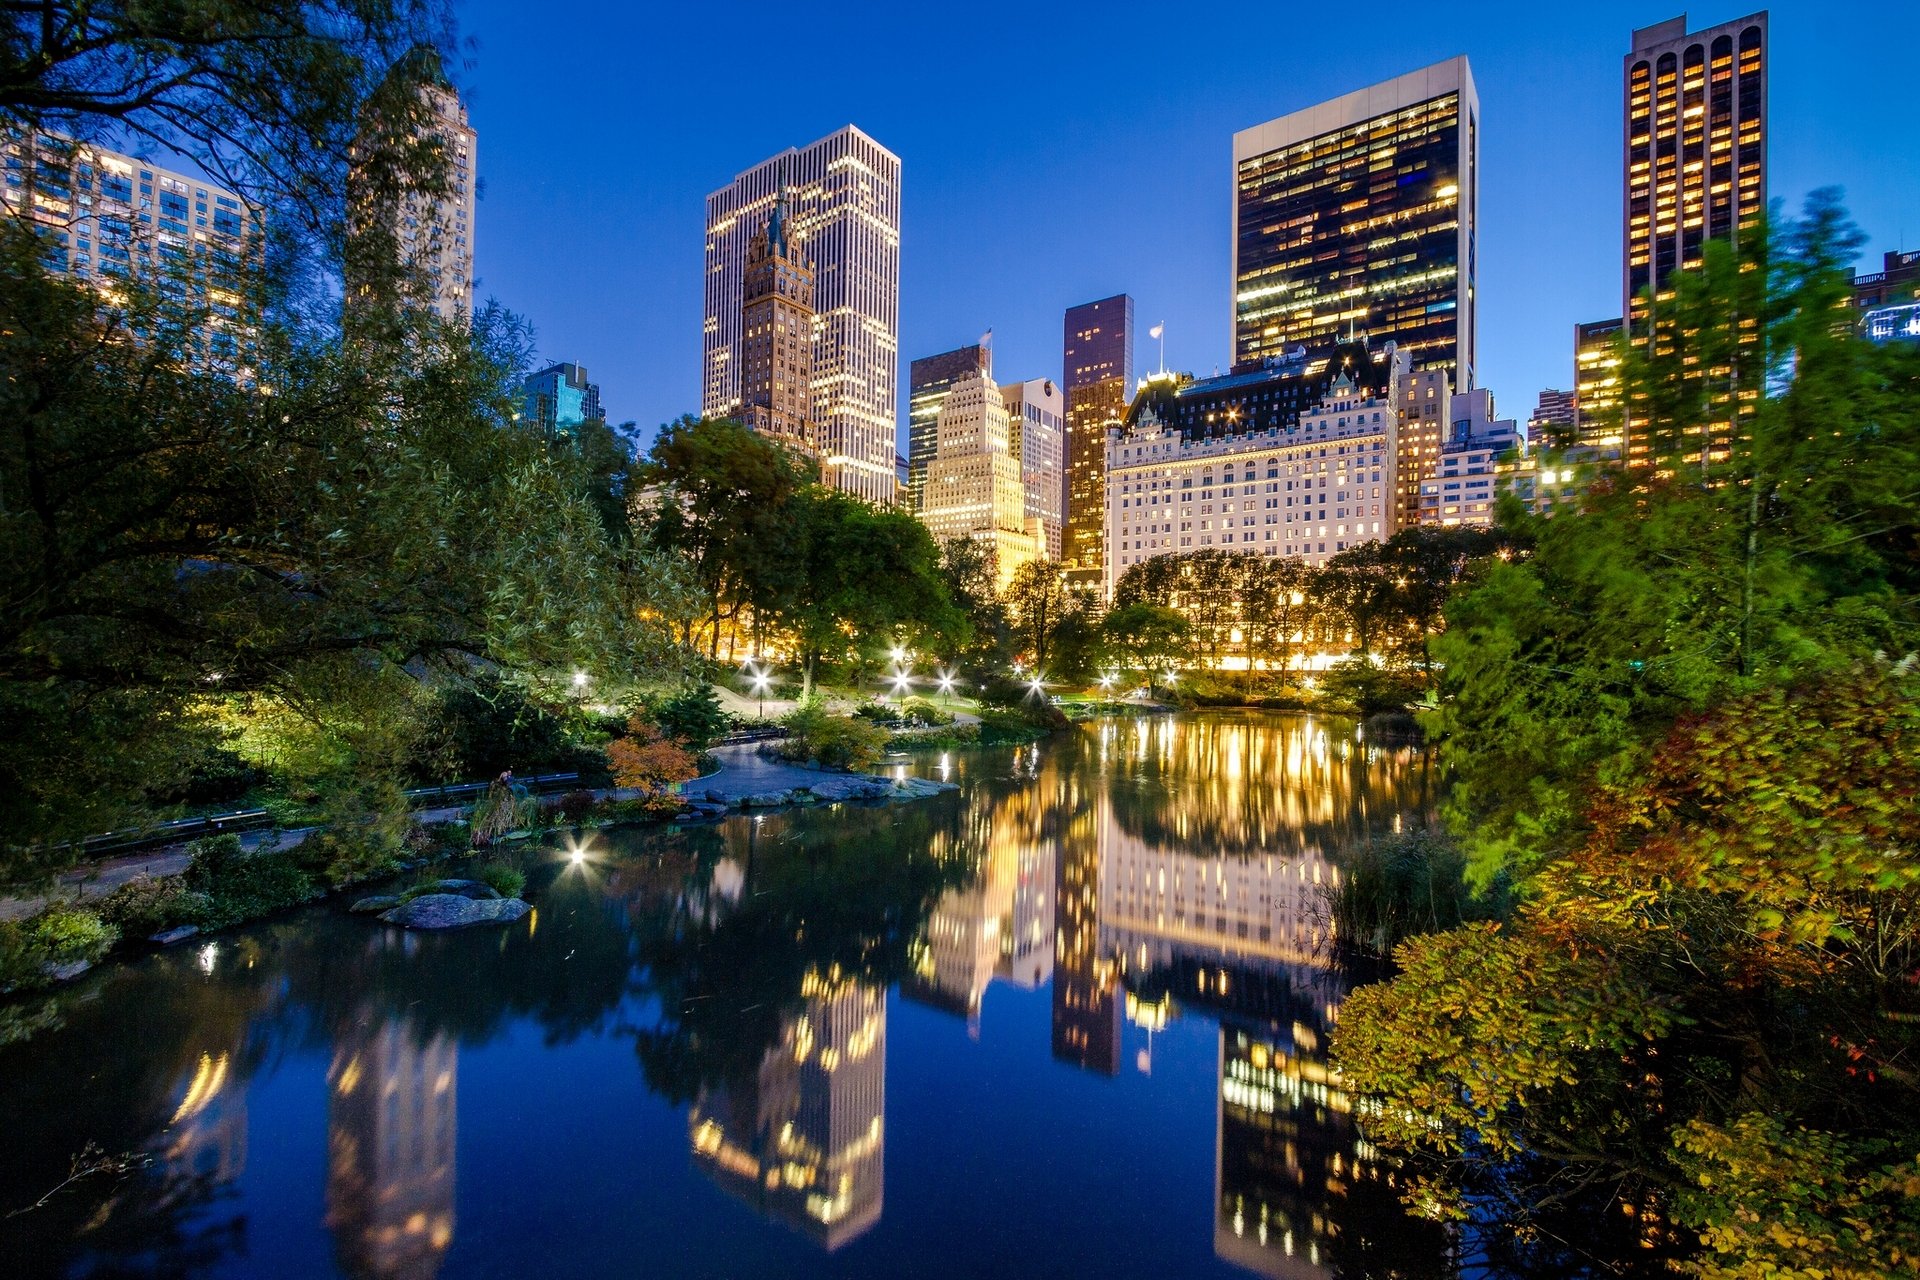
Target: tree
x=1146, y=638
x=1356, y=587
x=857, y=572
x=1678, y=587
x=1706, y=1006
x=1038, y=600
x=648, y=759
x=1427, y=562
x=1274, y=600
x=967, y=572
x=726, y=502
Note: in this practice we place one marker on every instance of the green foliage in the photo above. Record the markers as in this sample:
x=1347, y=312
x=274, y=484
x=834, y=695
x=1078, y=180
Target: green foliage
x=59, y=935
x=1038, y=602
x=1401, y=886
x=1146, y=638
x=1007, y=726
x=836, y=742
x=1362, y=685
x=148, y=905
x=1771, y=1199
x=924, y=711
x=1695, y=580
x=693, y=716
x=477, y=727
x=984, y=636
x=503, y=878
x=242, y=886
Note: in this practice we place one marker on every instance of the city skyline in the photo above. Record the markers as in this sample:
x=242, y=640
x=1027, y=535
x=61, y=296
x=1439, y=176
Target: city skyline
x=1551, y=112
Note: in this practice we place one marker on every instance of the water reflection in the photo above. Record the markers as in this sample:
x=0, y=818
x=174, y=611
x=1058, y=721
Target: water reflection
x=1150, y=873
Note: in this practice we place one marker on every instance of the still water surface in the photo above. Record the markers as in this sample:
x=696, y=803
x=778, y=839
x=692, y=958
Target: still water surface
x=1069, y=1022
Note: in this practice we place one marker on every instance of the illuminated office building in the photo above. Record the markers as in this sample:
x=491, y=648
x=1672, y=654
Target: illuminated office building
x=1357, y=217
x=1035, y=420
x=391, y=1119
x=928, y=381
x=1553, y=416
x=843, y=197
x=558, y=399
x=1097, y=383
x=1889, y=299
x=804, y=1140
x=1596, y=381
x=107, y=217
x=776, y=334
x=973, y=487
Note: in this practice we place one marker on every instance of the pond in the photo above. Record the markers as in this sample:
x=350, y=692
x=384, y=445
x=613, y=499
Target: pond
x=1070, y=1021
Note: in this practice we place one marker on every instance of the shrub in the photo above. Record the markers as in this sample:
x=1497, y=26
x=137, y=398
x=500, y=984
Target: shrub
x=59, y=935
x=835, y=742
x=647, y=760
x=146, y=906
x=919, y=710
x=692, y=717
x=476, y=728
x=502, y=878
x=577, y=806
x=1360, y=685
x=242, y=886
x=1001, y=725
x=1405, y=885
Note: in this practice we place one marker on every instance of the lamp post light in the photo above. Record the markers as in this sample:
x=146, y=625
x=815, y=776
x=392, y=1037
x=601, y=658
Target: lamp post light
x=579, y=679
x=1106, y=683
x=762, y=680
x=902, y=681
x=946, y=686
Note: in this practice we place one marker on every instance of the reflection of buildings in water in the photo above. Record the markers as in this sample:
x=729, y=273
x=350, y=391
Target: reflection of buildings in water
x=1289, y=1154
x=206, y=1139
x=1256, y=922
x=1000, y=923
x=804, y=1141
x=1086, y=985
x=390, y=1131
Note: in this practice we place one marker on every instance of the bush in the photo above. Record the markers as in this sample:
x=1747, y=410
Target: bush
x=146, y=906
x=477, y=728
x=692, y=717
x=924, y=711
x=1359, y=685
x=218, y=776
x=835, y=742
x=242, y=886
x=59, y=935
x=577, y=806
x=503, y=879
x=648, y=760
x=877, y=713
x=1001, y=726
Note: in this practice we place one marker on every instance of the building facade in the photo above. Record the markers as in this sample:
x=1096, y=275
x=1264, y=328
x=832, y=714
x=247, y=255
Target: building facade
x=974, y=488
x=776, y=334
x=1553, y=417
x=1358, y=217
x=436, y=234
x=1889, y=299
x=1461, y=489
x=1596, y=382
x=1309, y=481
x=1097, y=382
x=108, y=217
x=1036, y=413
x=559, y=398
x=928, y=381
x=843, y=196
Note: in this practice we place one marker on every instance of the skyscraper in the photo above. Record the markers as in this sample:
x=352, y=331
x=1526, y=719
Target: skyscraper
x=1696, y=146
x=559, y=398
x=1553, y=416
x=1097, y=369
x=843, y=197
x=928, y=381
x=1036, y=434
x=776, y=327
x=1596, y=381
x=973, y=487
x=1356, y=218
x=107, y=217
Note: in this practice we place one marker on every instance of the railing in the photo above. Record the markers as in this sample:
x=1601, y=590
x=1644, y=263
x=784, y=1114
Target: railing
x=738, y=736
x=180, y=829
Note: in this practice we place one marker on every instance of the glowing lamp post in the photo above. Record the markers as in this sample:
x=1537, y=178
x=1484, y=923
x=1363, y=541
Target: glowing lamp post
x=946, y=685
x=762, y=680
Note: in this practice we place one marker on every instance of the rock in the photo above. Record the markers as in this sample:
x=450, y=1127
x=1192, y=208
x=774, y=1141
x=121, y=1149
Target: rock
x=717, y=797
x=66, y=972
x=454, y=911
x=179, y=933
x=374, y=905
x=851, y=787
x=766, y=800
x=920, y=788
x=465, y=888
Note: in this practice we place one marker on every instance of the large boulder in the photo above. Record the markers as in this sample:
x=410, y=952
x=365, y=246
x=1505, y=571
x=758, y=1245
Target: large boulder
x=465, y=888
x=454, y=911
x=374, y=905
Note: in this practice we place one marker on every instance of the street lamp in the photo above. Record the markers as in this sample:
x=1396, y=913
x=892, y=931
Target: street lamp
x=1038, y=685
x=899, y=655
x=762, y=680
x=902, y=681
x=1106, y=683
x=946, y=685
x=579, y=678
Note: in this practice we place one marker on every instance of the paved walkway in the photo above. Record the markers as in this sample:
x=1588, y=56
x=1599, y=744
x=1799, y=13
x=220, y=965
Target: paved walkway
x=745, y=772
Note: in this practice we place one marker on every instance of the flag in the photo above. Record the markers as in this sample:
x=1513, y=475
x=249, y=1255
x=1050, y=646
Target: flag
x=1157, y=330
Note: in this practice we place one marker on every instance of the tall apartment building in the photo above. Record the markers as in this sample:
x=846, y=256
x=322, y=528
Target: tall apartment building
x=1037, y=427
x=776, y=335
x=1596, y=382
x=1696, y=146
x=1554, y=415
x=436, y=235
x=843, y=197
x=558, y=399
x=1301, y=460
x=1357, y=217
x=106, y=216
x=928, y=381
x=1461, y=488
x=973, y=485
x=1097, y=364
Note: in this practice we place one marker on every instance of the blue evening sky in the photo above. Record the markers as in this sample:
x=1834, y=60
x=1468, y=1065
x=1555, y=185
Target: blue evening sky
x=1054, y=154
